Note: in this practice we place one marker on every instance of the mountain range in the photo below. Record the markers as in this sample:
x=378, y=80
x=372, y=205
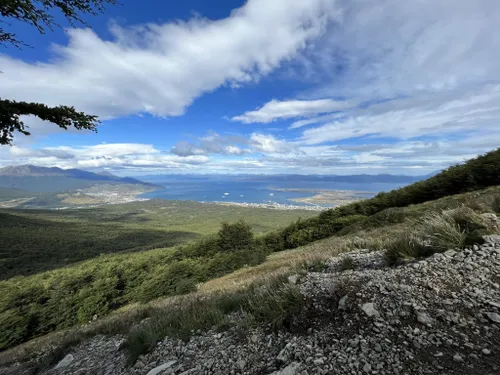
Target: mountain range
x=32, y=178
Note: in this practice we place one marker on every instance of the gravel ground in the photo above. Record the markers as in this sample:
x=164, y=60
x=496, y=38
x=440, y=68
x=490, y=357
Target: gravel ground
x=440, y=315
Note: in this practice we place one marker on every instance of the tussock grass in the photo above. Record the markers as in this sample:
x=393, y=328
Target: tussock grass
x=440, y=231
x=347, y=263
x=273, y=303
x=406, y=247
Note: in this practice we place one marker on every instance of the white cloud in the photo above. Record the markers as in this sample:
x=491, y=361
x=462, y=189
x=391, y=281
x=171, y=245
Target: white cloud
x=436, y=114
x=404, y=157
x=268, y=144
x=114, y=155
x=388, y=48
x=425, y=71
x=162, y=68
x=216, y=144
x=212, y=143
x=234, y=150
x=315, y=120
x=276, y=109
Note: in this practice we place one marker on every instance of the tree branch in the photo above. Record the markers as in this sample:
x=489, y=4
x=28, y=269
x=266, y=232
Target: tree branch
x=63, y=116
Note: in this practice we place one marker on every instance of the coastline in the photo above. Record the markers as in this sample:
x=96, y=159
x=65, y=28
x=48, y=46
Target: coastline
x=333, y=198
x=271, y=205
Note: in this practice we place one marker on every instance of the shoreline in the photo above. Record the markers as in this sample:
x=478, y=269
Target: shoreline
x=271, y=205
x=316, y=191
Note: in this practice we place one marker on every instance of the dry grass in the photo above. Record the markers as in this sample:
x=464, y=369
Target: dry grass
x=442, y=231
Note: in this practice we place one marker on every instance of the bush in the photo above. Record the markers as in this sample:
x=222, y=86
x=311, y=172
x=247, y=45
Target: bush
x=175, y=278
x=235, y=237
x=317, y=265
x=36, y=305
x=347, y=263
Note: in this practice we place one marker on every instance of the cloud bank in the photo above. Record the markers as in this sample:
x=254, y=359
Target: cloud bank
x=161, y=68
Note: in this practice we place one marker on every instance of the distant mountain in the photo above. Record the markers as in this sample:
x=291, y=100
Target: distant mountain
x=41, y=179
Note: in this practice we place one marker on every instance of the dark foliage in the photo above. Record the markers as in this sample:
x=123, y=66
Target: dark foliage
x=63, y=116
x=40, y=14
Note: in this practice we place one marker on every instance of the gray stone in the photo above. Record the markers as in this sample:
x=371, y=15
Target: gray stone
x=369, y=309
x=283, y=355
x=241, y=364
x=494, y=304
x=494, y=317
x=65, y=361
x=424, y=318
x=450, y=253
x=486, y=351
x=159, y=369
x=458, y=358
x=342, y=303
x=367, y=368
x=291, y=369
x=293, y=279
x=492, y=238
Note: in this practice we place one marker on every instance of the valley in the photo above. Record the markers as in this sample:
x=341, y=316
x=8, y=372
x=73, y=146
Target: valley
x=32, y=241
x=147, y=272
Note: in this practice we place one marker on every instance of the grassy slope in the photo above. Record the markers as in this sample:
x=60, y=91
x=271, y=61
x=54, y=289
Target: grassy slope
x=478, y=173
x=32, y=241
x=74, y=291
x=376, y=234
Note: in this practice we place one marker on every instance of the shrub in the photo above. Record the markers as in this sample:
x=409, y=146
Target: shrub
x=235, y=237
x=347, y=263
x=274, y=241
x=317, y=265
x=35, y=305
x=275, y=307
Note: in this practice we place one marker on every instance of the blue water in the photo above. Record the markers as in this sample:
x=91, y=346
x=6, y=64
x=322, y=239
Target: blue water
x=251, y=190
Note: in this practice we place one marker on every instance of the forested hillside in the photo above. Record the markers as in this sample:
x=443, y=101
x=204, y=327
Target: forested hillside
x=475, y=174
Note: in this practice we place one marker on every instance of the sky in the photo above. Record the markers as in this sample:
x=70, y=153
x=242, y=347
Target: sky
x=265, y=87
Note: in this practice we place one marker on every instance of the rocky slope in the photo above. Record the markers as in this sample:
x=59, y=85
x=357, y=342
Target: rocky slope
x=440, y=315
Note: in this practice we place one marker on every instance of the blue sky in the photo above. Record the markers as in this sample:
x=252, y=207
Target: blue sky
x=282, y=86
